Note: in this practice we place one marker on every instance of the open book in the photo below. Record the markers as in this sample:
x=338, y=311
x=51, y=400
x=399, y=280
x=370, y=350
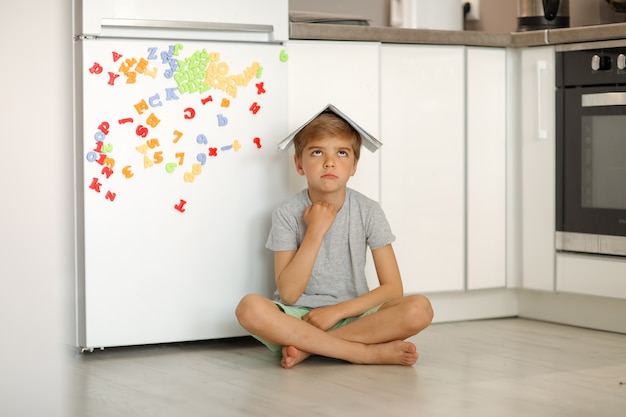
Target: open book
x=369, y=141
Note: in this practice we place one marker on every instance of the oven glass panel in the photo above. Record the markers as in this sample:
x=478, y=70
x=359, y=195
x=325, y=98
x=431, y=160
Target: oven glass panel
x=603, y=159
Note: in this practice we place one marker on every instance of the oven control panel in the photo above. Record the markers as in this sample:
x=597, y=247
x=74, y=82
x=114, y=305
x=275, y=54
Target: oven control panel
x=606, y=66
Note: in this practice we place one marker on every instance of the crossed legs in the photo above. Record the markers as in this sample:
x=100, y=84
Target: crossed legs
x=377, y=338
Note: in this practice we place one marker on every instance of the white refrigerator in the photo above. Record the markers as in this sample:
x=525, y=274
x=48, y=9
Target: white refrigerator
x=177, y=171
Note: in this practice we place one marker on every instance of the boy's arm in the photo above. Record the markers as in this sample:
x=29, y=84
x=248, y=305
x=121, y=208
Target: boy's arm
x=293, y=268
x=390, y=288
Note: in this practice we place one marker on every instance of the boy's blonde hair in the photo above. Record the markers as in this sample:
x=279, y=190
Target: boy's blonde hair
x=327, y=124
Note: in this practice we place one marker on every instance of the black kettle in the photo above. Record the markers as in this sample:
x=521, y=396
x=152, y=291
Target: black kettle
x=542, y=14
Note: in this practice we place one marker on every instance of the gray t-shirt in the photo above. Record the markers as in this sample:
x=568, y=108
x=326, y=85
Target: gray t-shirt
x=339, y=271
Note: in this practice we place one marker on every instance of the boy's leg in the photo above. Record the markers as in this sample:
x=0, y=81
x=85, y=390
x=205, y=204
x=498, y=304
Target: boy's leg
x=261, y=317
x=396, y=320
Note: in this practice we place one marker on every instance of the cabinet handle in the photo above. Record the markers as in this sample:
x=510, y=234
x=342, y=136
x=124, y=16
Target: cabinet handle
x=603, y=99
x=542, y=132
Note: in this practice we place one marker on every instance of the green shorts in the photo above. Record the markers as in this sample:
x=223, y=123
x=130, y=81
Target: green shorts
x=298, y=312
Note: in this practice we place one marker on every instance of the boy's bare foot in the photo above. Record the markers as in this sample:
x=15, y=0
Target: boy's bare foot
x=397, y=352
x=292, y=356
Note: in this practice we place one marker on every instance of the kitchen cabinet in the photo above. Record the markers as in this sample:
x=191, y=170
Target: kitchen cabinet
x=421, y=176
x=538, y=167
x=423, y=162
x=444, y=120
x=486, y=168
x=345, y=74
x=603, y=276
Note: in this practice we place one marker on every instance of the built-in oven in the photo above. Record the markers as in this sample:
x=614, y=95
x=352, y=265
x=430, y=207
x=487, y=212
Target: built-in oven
x=591, y=149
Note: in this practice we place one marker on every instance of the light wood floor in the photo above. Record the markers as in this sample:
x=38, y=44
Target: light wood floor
x=504, y=368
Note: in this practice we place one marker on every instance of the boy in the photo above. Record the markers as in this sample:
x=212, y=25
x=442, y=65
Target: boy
x=322, y=304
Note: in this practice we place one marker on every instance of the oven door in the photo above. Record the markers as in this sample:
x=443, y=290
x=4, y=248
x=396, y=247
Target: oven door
x=591, y=164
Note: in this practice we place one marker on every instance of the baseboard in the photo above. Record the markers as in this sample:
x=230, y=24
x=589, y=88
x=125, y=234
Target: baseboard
x=474, y=305
x=600, y=313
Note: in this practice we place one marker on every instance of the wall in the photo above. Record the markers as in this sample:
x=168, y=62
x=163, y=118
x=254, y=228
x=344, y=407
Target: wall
x=375, y=10
x=497, y=16
x=500, y=16
x=36, y=260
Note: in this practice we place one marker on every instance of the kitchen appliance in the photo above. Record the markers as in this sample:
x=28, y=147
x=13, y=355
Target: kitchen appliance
x=542, y=14
x=591, y=149
x=427, y=14
x=618, y=5
x=177, y=169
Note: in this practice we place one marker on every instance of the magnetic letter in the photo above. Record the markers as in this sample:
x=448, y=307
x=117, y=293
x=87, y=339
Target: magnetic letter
x=255, y=108
x=170, y=167
x=170, y=94
x=99, y=136
x=141, y=131
x=153, y=143
x=95, y=185
x=104, y=127
x=107, y=171
x=155, y=100
x=127, y=172
x=91, y=156
x=112, y=77
x=201, y=139
x=189, y=113
x=141, y=66
x=152, y=120
x=151, y=73
x=180, y=206
x=143, y=149
x=96, y=68
x=141, y=106
x=188, y=177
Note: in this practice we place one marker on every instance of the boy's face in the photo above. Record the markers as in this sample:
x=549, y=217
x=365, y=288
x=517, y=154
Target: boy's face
x=328, y=162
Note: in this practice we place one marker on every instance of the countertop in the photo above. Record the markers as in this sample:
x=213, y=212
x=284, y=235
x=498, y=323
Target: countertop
x=310, y=31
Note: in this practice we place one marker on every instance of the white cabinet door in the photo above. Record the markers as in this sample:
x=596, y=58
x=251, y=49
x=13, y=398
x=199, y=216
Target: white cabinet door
x=486, y=168
x=538, y=167
x=345, y=74
x=423, y=162
x=602, y=276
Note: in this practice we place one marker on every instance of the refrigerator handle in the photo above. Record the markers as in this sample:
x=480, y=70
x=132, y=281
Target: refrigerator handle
x=114, y=26
x=177, y=25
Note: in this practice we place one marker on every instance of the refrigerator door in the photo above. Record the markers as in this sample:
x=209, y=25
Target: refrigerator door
x=89, y=14
x=176, y=180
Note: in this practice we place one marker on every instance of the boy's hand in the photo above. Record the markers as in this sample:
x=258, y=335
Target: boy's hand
x=323, y=317
x=319, y=217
